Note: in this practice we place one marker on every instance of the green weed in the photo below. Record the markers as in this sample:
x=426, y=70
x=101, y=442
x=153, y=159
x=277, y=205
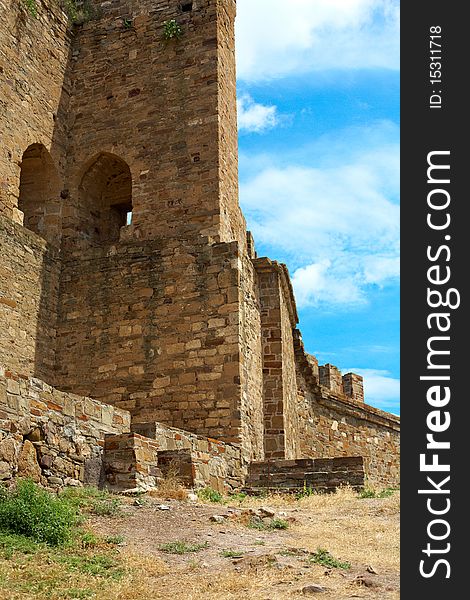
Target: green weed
x=35, y=513
x=323, y=557
x=180, y=547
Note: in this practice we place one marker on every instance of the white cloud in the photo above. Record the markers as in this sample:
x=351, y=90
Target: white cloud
x=317, y=282
x=255, y=117
x=276, y=38
x=378, y=269
x=380, y=389
x=338, y=224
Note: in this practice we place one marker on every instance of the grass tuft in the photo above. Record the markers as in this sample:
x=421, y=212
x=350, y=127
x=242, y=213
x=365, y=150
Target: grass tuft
x=324, y=558
x=208, y=494
x=278, y=524
x=11, y=543
x=93, y=501
x=231, y=554
x=171, y=486
x=114, y=540
x=100, y=565
x=371, y=493
x=258, y=523
x=30, y=511
x=180, y=547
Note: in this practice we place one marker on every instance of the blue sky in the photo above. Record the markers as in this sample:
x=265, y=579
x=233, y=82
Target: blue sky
x=318, y=102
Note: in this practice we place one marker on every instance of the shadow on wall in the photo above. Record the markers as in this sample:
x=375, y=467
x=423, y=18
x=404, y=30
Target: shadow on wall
x=40, y=193
x=104, y=203
x=104, y=207
x=39, y=201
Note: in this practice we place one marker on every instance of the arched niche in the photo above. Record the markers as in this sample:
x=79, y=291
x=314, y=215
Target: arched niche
x=39, y=194
x=105, y=199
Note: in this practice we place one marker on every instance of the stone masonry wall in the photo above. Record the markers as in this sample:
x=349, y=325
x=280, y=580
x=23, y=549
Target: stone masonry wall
x=161, y=338
x=61, y=439
x=289, y=320
x=156, y=105
x=214, y=463
x=278, y=318
x=333, y=425
x=233, y=225
x=54, y=438
x=29, y=279
x=321, y=474
x=119, y=148
x=131, y=462
x=34, y=54
x=251, y=405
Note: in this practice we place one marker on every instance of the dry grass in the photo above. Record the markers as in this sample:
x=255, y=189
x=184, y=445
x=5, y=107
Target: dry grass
x=360, y=531
x=364, y=532
x=171, y=486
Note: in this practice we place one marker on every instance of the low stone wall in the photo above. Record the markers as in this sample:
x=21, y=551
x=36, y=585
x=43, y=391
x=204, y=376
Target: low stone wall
x=51, y=436
x=322, y=475
x=215, y=463
x=60, y=439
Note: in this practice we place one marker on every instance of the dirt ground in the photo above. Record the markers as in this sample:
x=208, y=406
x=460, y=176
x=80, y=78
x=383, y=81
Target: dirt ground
x=237, y=561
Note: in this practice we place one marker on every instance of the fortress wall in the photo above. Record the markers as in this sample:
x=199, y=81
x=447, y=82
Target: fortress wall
x=233, y=224
x=33, y=58
x=60, y=439
x=332, y=425
x=212, y=462
x=29, y=279
x=251, y=406
x=278, y=318
x=271, y=341
x=154, y=328
x=289, y=381
x=121, y=148
x=52, y=437
x=321, y=475
x=156, y=105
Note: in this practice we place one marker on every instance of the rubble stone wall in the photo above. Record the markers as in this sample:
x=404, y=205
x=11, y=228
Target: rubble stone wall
x=50, y=436
x=215, y=463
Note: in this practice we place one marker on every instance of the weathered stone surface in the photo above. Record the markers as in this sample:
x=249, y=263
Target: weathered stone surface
x=9, y=450
x=321, y=475
x=218, y=519
x=48, y=445
x=94, y=473
x=313, y=588
x=28, y=465
x=368, y=582
x=6, y=471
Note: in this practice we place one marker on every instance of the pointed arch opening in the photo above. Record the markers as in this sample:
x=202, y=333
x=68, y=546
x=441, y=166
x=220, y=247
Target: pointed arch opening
x=105, y=195
x=39, y=194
